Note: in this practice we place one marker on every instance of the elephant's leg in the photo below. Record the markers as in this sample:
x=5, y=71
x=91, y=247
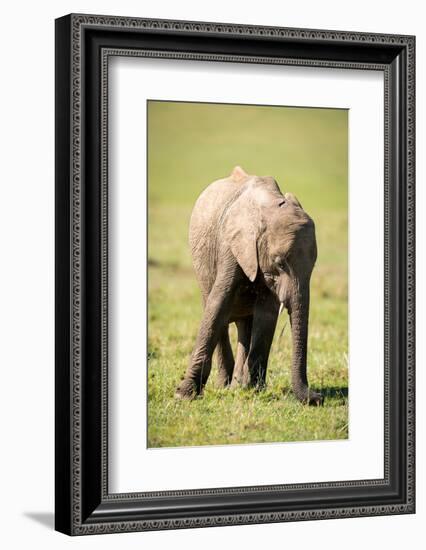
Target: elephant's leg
x=244, y=327
x=264, y=323
x=215, y=318
x=225, y=359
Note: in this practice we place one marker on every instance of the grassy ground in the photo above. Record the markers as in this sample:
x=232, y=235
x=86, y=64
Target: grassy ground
x=191, y=145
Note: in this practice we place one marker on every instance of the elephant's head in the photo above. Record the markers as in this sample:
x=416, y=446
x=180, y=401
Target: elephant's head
x=273, y=240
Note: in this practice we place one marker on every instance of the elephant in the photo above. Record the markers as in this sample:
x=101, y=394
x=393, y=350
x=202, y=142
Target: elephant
x=253, y=251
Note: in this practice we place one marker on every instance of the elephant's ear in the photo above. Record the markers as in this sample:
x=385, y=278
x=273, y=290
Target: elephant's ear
x=241, y=236
x=239, y=174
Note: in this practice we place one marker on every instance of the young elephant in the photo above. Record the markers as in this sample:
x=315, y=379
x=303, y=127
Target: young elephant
x=253, y=252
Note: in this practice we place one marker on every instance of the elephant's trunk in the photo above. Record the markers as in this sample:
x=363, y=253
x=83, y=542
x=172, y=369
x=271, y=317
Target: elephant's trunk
x=299, y=317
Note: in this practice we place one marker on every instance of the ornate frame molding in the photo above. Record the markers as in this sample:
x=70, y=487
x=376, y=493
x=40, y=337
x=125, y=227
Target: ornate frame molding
x=76, y=511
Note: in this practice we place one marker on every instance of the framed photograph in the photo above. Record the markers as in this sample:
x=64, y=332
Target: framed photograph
x=234, y=274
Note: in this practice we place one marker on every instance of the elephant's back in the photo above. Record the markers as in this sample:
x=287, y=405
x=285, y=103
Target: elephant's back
x=210, y=204
x=203, y=227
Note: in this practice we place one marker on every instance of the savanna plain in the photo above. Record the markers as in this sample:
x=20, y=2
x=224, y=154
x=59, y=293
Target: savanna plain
x=306, y=151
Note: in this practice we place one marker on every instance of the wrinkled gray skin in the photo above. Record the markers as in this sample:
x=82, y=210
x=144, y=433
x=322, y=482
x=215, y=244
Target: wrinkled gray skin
x=253, y=252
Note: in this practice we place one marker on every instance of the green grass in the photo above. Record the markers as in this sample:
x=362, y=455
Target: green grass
x=189, y=146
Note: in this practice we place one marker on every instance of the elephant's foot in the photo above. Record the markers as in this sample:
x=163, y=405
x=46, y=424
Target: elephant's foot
x=241, y=376
x=224, y=379
x=187, y=389
x=240, y=382
x=314, y=398
x=247, y=382
x=309, y=397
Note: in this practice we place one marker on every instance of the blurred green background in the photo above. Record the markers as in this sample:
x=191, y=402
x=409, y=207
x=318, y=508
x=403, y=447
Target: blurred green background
x=306, y=151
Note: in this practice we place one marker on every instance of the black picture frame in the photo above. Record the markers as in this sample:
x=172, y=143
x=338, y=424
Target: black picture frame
x=83, y=45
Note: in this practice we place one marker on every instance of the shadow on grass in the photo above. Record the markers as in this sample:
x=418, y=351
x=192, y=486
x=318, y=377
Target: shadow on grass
x=335, y=392
x=329, y=393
